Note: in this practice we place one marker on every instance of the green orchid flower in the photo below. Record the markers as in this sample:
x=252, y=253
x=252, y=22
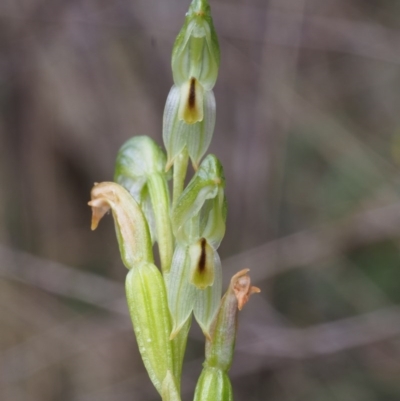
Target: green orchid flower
x=198, y=222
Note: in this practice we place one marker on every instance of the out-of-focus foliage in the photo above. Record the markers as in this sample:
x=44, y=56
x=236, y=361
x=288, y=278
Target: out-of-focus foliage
x=308, y=131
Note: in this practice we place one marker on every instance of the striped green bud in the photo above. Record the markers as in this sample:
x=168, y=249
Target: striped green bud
x=147, y=302
x=189, y=121
x=140, y=169
x=213, y=385
x=130, y=225
x=181, y=293
x=196, y=49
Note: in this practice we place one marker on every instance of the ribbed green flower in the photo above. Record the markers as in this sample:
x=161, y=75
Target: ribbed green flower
x=189, y=121
x=198, y=222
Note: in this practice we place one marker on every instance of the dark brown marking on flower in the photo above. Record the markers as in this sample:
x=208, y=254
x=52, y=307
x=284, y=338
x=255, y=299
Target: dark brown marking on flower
x=192, y=94
x=202, y=259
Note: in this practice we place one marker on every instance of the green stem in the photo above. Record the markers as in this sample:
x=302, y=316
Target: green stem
x=180, y=168
x=160, y=200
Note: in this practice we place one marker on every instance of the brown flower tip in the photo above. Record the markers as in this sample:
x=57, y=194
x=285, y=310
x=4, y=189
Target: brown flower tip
x=100, y=204
x=241, y=286
x=191, y=103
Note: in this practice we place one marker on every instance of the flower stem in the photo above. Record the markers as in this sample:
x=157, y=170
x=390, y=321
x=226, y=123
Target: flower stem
x=180, y=168
x=160, y=200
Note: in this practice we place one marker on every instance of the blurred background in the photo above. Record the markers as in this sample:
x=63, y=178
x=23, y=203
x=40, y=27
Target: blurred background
x=308, y=130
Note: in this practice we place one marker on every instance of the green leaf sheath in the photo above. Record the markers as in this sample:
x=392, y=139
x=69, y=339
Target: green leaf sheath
x=147, y=303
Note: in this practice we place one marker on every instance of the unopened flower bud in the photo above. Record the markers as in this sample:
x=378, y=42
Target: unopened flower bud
x=196, y=50
x=181, y=293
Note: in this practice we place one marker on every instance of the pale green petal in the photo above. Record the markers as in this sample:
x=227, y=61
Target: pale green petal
x=173, y=136
x=181, y=294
